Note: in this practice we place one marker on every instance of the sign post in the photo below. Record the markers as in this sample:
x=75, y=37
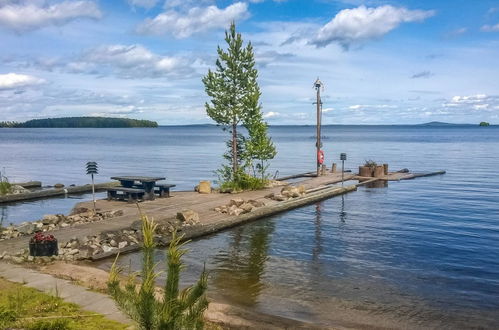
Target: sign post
x=92, y=169
x=343, y=157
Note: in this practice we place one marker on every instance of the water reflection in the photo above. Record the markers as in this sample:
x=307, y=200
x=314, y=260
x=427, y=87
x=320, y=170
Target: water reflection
x=317, y=250
x=241, y=266
x=343, y=214
x=378, y=184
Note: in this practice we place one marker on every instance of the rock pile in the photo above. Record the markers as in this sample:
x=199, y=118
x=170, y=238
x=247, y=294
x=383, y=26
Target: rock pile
x=90, y=246
x=15, y=190
x=288, y=192
x=56, y=221
x=239, y=206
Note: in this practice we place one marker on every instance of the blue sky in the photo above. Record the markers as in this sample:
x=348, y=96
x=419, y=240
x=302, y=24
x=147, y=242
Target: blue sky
x=382, y=62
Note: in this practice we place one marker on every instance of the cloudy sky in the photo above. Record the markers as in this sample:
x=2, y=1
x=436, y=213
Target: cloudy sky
x=382, y=62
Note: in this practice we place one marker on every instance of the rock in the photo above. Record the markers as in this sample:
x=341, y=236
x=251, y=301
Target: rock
x=86, y=252
x=113, y=243
x=17, y=260
x=74, y=244
x=256, y=203
x=107, y=248
x=30, y=258
x=26, y=228
x=188, y=216
x=50, y=219
x=58, y=186
x=116, y=213
x=234, y=210
x=3, y=254
x=65, y=224
x=302, y=190
x=204, y=187
x=123, y=244
x=290, y=192
x=73, y=252
x=236, y=201
x=280, y=198
x=246, y=207
x=270, y=196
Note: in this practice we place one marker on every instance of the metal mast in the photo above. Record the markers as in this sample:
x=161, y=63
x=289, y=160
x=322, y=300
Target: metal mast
x=318, y=86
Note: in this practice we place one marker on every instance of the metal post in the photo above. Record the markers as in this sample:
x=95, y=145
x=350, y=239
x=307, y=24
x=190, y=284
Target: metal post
x=318, y=85
x=342, y=172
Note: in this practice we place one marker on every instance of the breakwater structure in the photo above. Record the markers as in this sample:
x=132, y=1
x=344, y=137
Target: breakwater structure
x=84, y=235
x=53, y=192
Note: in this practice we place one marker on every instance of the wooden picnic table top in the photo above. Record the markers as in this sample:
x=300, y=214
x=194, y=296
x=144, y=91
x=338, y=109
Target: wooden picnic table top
x=138, y=178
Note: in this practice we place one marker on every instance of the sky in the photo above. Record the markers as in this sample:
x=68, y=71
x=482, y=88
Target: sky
x=381, y=62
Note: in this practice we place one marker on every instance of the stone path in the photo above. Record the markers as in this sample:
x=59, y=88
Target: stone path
x=88, y=300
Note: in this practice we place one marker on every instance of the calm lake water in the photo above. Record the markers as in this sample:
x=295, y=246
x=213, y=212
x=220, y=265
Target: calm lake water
x=421, y=253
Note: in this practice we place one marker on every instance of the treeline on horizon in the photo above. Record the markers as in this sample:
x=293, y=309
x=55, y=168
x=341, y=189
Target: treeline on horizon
x=80, y=122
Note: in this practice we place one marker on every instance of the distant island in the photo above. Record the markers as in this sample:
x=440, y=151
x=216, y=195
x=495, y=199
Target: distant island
x=80, y=122
x=484, y=123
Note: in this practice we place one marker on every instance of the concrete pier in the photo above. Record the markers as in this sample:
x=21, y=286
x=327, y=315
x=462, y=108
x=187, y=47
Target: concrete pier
x=210, y=221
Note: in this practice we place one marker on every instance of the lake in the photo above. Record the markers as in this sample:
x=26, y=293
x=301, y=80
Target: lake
x=421, y=253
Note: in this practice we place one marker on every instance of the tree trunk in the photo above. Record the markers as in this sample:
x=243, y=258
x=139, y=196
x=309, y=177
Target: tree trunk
x=234, y=150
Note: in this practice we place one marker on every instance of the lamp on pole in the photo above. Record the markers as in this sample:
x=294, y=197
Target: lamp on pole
x=318, y=85
x=92, y=169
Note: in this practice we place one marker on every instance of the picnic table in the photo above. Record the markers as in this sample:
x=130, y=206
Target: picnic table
x=147, y=183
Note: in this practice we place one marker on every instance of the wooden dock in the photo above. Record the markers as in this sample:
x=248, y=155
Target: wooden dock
x=164, y=209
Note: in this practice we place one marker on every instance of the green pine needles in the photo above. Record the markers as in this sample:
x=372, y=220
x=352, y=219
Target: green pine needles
x=175, y=308
x=234, y=101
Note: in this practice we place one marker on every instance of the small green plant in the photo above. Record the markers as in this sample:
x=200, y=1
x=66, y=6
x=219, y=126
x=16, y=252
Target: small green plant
x=242, y=181
x=370, y=163
x=5, y=187
x=175, y=309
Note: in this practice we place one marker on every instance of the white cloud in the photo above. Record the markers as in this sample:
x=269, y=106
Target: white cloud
x=475, y=102
x=130, y=61
x=195, y=20
x=271, y=114
x=357, y=25
x=490, y=28
x=14, y=80
x=25, y=16
x=147, y=4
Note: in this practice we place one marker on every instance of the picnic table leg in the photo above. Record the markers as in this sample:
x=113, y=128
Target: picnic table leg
x=149, y=190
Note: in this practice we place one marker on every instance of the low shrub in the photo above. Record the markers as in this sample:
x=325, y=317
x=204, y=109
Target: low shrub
x=5, y=187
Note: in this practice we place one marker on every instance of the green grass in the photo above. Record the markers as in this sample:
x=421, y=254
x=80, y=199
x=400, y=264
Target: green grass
x=26, y=308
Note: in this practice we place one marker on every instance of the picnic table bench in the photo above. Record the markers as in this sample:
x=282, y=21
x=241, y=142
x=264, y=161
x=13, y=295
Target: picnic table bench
x=163, y=189
x=129, y=194
x=139, y=187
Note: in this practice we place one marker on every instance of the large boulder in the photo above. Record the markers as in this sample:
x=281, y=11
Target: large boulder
x=26, y=228
x=246, y=207
x=204, y=187
x=188, y=216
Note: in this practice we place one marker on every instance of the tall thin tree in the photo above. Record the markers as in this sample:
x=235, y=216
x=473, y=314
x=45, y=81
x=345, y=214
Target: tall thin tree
x=233, y=88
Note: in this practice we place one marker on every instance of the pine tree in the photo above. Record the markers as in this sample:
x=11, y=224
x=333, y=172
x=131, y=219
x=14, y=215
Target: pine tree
x=176, y=309
x=233, y=90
